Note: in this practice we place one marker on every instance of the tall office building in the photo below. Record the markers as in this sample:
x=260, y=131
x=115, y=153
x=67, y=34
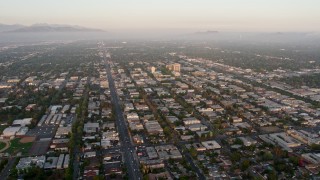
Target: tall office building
x=152, y=69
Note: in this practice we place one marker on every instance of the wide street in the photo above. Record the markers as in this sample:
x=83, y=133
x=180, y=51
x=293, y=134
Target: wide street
x=126, y=143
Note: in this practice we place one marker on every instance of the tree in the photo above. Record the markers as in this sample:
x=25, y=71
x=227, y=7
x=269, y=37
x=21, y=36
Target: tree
x=267, y=156
x=68, y=173
x=315, y=146
x=14, y=173
x=235, y=157
x=278, y=151
x=3, y=163
x=245, y=164
x=294, y=160
x=35, y=173
x=272, y=175
x=171, y=161
x=238, y=141
x=167, y=131
x=193, y=152
x=100, y=177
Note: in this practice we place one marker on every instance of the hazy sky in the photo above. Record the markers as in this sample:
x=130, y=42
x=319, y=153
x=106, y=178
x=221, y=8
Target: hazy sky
x=222, y=15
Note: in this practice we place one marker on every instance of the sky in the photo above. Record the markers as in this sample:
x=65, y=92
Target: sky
x=192, y=15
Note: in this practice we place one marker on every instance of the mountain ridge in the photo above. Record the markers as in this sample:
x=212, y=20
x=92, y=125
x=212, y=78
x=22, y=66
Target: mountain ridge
x=45, y=27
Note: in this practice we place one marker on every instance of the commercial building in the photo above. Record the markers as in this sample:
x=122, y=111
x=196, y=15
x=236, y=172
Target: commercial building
x=210, y=145
x=63, y=131
x=22, y=122
x=91, y=127
x=27, y=162
x=311, y=158
x=10, y=131
x=51, y=163
x=281, y=139
x=191, y=120
x=305, y=137
x=153, y=127
x=248, y=141
x=174, y=67
x=166, y=152
x=66, y=161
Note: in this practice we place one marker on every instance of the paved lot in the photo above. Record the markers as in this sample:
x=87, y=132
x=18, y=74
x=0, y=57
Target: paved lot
x=44, y=131
x=39, y=148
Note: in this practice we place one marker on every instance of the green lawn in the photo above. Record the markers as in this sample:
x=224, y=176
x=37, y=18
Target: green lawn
x=16, y=146
x=2, y=145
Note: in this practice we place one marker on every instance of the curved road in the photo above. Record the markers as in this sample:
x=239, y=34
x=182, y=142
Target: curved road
x=7, y=145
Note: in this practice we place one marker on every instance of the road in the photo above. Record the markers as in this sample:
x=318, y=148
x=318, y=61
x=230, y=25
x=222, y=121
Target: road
x=76, y=156
x=125, y=139
x=189, y=159
x=7, y=142
x=6, y=171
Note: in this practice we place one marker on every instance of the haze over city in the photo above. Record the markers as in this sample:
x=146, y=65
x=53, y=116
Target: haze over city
x=168, y=15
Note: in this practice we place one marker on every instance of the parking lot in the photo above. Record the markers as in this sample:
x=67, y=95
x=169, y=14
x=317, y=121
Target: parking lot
x=44, y=131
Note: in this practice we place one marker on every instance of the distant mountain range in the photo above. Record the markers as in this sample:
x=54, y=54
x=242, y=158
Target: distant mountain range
x=43, y=27
x=6, y=27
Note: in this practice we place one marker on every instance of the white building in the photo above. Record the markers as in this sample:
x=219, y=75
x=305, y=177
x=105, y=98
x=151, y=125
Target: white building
x=91, y=127
x=63, y=131
x=248, y=141
x=22, y=131
x=191, y=120
x=31, y=161
x=22, y=122
x=10, y=131
x=210, y=145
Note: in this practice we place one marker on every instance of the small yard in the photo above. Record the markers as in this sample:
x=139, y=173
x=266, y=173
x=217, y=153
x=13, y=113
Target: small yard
x=16, y=146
